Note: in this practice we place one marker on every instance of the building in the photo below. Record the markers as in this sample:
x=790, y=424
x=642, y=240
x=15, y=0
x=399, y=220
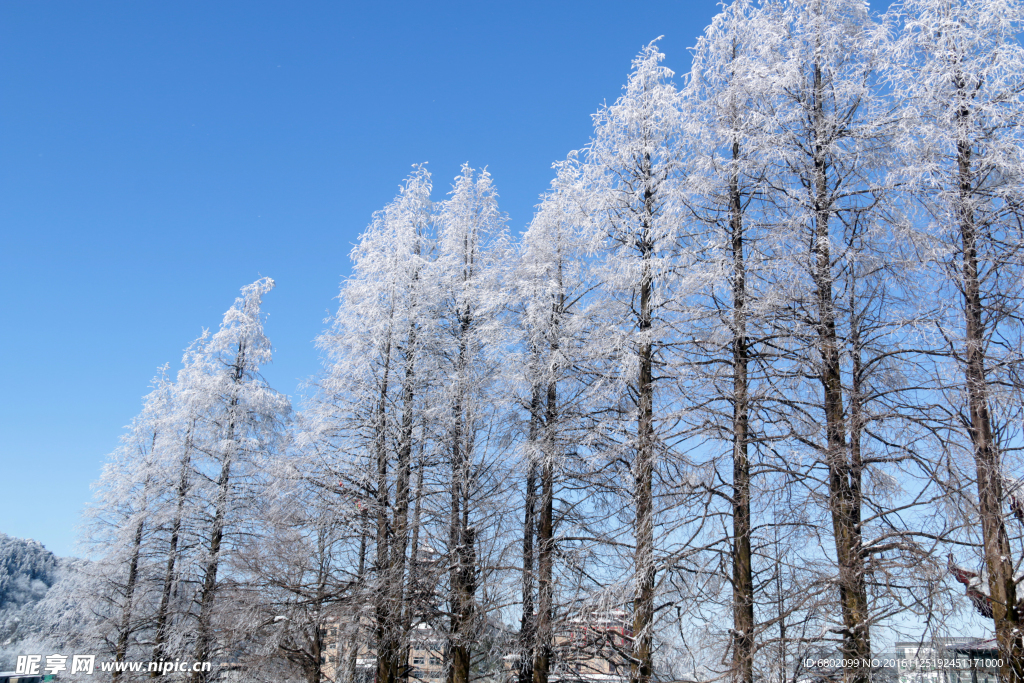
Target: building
x=593, y=648
x=426, y=655
x=587, y=649
x=345, y=655
x=349, y=657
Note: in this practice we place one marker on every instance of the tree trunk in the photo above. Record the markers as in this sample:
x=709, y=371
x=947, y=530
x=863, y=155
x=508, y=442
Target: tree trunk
x=406, y=581
x=743, y=578
x=400, y=536
x=314, y=667
x=384, y=609
x=998, y=558
x=314, y=664
x=352, y=650
x=844, y=493
x=124, y=630
x=163, y=611
x=412, y=596
x=641, y=666
x=546, y=547
x=528, y=623
x=781, y=611
x=460, y=534
x=465, y=612
x=204, y=629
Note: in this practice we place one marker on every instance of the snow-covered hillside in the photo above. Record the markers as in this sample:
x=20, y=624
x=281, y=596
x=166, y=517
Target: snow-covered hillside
x=37, y=596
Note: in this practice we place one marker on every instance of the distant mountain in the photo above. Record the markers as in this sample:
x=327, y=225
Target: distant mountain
x=38, y=591
x=27, y=570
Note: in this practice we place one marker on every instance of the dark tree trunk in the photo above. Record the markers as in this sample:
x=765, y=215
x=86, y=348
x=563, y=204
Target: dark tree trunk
x=204, y=629
x=208, y=595
x=400, y=537
x=461, y=535
x=1006, y=613
x=352, y=649
x=384, y=613
x=528, y=624
x=465, y=607
x=544, y=643
x=412, y=591
x=125, y=630
x=314, y=672
x=163, y=611
x=641, y=666
x=844, y=490
x=743, y=578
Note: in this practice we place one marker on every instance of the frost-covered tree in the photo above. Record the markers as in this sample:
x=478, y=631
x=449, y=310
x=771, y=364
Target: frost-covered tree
x=704, y=392
x=847, y=288
x=370, y=398
x=239, y=423
x=825, y=123
x=468, y=306
x=125, y=518
x=176, y=531
x=629, y=170
x=556, y=317
x=727, y=145
x=958, y=76
x=175, y=499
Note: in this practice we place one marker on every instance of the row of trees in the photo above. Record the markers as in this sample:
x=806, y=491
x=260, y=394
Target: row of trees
x=750, y=378
x=178, y=495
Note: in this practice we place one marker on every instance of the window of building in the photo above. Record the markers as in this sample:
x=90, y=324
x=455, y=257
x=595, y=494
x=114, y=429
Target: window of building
x=417, y=660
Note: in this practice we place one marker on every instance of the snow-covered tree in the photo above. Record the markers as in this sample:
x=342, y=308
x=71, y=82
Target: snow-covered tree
x=556, y=316
x=466, y=344
x=849, y=307
x=629, y=170
x=239, y=423
x=957, y=74
x=371, y=397
x=177, y=538
x=825, y=123
x=705, y=391
x=175, y=499
x=727, y=145
x=126, y=515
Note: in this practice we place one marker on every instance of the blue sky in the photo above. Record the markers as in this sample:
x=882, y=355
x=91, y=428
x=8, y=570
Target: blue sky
x=157, y=156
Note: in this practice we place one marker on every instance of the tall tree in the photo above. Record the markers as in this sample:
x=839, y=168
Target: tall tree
x=174, y=528
x=629, y=168
x=241, y=421
x=958, y=77
x=371, y=393
x=125, y=518
x=556, y=317
x=826, y=115
x=472, y=240
x=726, y=150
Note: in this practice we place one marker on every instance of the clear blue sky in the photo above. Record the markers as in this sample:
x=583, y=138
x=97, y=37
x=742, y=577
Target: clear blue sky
x=156, y=156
